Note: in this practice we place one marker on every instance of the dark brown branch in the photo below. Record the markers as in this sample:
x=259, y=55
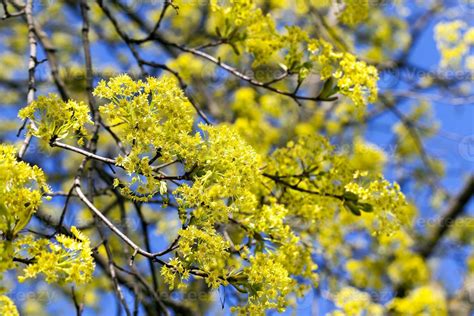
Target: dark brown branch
x=237, y=73
x=8, y=14
x=295, y=187
x=146, y=239
x=24, y=261
x=166, y=5
x=455, y=209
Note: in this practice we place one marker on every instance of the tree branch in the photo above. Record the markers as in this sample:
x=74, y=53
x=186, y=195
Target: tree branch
x=455, y=209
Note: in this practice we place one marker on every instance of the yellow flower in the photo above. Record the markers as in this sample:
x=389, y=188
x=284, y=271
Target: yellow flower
x=425, y=300
x=56, y=119
x=68, y=260
x=21, y=188
x=7, y=307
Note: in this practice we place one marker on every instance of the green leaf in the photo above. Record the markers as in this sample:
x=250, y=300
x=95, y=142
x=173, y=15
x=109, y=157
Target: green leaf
x=366, y=207
x=350, y=196
x=328, y=90
x=352, y=208
x=234, y=48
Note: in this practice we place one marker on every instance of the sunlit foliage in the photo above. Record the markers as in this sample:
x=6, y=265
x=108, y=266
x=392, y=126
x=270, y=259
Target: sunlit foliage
x=222, y=148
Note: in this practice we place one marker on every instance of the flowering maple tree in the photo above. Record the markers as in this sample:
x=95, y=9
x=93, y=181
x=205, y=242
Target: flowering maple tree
x=227, y=153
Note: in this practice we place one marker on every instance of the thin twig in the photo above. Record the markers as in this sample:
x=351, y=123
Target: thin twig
x=31, y=70
x=79, y=306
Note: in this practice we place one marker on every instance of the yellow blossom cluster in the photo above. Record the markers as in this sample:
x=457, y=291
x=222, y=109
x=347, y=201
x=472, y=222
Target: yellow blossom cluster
x=224, y=174
x=245, y=222
x=69, y=259
x=368, y=157
x=455, y=40
x=21, y=188
x=353, y=302
x=189, y=66
x=425, y=300
x=295, y=44
x=268, y=282
x=325, y=181
x=408, y=269
x=252, y=118
x=354, y=78
x=223, y=177
x=388, y=34
x=255, y=197
x=366, y=273
x=7, y=307
x=386, y=200
x=152, y=117
x=56, y=119
x=244, y=23
x=208, y=250
x=355, y=12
